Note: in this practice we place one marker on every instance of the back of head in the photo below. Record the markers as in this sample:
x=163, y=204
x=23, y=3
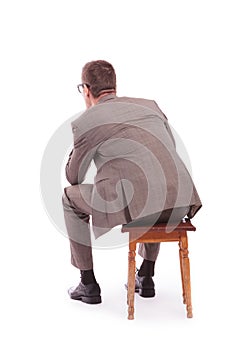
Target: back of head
x=99, y=76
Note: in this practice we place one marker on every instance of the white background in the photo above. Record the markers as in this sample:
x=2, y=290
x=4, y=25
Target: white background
x=176, y=52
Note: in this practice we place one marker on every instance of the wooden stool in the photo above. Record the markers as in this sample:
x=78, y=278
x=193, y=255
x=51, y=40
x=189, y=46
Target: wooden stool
x=156, y=234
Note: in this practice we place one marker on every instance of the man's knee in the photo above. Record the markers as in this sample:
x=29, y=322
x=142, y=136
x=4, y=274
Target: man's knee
x=78, y=197
x=65, y=197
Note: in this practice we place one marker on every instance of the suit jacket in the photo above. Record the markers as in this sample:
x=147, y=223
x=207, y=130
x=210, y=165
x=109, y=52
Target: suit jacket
x=138, y=169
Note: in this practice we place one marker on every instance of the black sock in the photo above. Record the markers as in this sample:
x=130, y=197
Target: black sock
x=87, y=276
x=147, y=268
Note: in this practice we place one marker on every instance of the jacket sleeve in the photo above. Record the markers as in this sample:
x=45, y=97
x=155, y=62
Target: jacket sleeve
x=79, y=159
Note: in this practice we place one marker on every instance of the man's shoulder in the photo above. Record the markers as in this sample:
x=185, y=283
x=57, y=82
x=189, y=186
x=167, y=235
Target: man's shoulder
x=136, y=100
x=143, y=102
x=80, y=117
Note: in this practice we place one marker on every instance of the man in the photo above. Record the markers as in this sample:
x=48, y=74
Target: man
x=140, y=177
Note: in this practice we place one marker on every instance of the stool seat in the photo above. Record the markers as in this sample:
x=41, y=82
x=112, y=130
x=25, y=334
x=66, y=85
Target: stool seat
x=156, y=234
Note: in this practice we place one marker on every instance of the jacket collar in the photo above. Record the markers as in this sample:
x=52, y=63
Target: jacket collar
x=107, y=98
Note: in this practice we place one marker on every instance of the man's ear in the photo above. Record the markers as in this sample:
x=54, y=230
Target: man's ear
x=86, y=91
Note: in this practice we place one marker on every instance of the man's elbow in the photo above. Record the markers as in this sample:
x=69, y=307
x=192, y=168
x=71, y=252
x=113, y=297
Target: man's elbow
x=71, y=178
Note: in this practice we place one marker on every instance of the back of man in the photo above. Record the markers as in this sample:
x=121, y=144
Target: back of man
x=138, y=169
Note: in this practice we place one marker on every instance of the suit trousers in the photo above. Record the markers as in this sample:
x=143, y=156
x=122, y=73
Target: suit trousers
x=77, y=210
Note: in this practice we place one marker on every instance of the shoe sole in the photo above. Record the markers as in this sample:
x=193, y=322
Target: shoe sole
x=89, y=300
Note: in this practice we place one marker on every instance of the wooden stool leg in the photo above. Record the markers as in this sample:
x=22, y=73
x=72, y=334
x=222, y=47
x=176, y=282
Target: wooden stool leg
x=185, y=270
x=131, y=279
x=182, y=272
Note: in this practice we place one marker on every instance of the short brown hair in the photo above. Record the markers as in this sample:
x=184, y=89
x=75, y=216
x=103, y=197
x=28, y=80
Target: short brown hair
x=99, y=76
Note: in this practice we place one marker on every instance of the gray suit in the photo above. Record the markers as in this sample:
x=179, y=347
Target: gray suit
x=139, y=172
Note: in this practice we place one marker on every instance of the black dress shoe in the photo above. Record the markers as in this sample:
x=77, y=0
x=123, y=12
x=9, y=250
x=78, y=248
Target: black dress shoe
x=87, y=293
x=144, y=286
